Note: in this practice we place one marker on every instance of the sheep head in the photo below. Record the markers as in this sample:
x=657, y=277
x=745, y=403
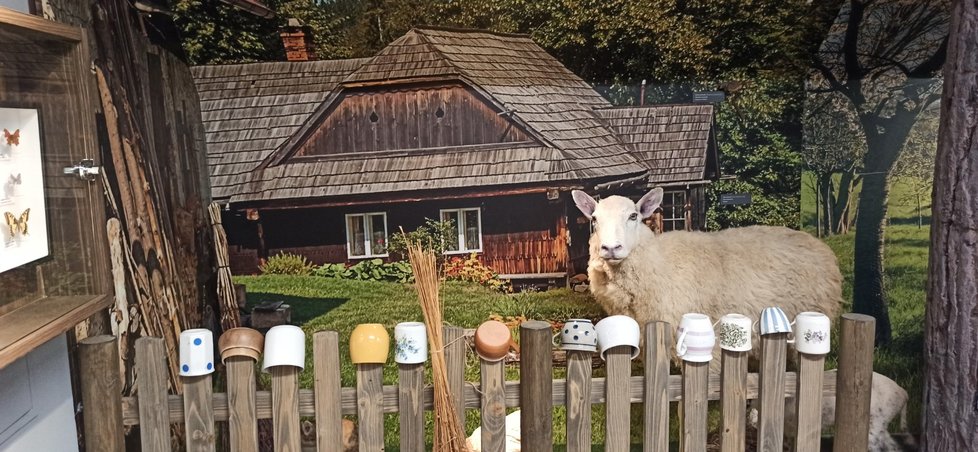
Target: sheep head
x=617, y=221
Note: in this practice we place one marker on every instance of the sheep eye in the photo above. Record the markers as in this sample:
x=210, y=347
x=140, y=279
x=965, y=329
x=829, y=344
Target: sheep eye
x=633, y=217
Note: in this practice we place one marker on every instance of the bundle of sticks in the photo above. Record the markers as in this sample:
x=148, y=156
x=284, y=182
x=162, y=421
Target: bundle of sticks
x=449, y=432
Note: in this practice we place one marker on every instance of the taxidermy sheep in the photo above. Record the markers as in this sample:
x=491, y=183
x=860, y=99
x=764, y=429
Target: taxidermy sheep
x=650, y=277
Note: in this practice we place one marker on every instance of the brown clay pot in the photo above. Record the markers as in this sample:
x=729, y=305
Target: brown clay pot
x=240, y=342
x=493, y=340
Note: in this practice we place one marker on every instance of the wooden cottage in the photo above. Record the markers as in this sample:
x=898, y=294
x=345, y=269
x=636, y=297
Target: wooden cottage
x=328, y=158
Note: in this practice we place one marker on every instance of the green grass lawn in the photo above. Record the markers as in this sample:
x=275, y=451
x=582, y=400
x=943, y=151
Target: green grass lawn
x=339, y=305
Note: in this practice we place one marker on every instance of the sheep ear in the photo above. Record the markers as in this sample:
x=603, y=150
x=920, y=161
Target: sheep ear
x=650, y=202
x=584, y=202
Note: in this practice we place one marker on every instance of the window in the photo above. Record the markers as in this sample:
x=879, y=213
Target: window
x=674, y=211
x=366, y=235
x=467, y=225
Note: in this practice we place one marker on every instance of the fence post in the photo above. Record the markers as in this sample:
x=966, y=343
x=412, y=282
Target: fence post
x=326, y=368
x=855, y=383
x=658, y=337
x=770, y=432
x=696, y=379
x=536, y=386
x=370, y=406
x=578, y=401
x=617, y=402
x=493, y=406
x=154, y=422
x=198, y=413
x=285, y=408
x=733, y=399
x=808, y=402
x=410, y=406
x=455, y=362
x=101, y=388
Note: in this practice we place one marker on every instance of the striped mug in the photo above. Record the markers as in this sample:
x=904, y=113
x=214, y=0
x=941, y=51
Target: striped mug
x=696, y=338
x=773, y=321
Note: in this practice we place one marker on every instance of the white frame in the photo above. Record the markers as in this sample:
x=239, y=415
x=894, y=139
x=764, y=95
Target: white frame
x=674, y=221
x=459, y=218
x=368, y=233
x=22, y=195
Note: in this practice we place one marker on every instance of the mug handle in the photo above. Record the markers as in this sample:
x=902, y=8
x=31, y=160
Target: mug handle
x=514, y=345
x=681, y=344
x=791, y=333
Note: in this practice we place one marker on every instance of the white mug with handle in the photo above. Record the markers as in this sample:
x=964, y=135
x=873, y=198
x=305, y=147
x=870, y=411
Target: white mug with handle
x=812, y=333
x=696, y=338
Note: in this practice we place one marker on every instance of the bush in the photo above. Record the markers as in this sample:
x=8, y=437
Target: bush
x=473, y=270
x=368, y=270
x=287, y=264
x=432, y=236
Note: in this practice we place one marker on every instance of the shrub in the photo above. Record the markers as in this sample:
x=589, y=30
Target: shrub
x=473, y=270
x=287, y=264
x=432, y=236
x=368, y=270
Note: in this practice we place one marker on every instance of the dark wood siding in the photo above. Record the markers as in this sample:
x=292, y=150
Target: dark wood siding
x=412, y=117
x=520, y=234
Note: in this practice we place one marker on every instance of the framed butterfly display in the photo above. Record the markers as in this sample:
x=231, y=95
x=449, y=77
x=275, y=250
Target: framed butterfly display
x=23, y=221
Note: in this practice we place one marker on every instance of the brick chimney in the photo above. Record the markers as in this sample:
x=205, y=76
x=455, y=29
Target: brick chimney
x=297, y=39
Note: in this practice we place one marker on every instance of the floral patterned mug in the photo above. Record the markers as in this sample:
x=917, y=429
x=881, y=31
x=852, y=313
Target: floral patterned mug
x=410, y=343
x=812, y=331
x=734, y=332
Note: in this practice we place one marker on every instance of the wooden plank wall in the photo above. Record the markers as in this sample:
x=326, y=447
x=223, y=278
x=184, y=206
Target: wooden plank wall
x=409, y=118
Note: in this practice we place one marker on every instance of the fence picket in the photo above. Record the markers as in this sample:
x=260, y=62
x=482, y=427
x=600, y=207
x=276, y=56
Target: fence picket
x=658, y=338
x=770, y=431
x=733, y=399
x=326, y=369
x=370, y=406
x=154, y=425
x=536, y=386
x=410, y=390
x=618, y=406
x=285, y=408
x=198, y=419
x=101, y=390
x=455, y=361
x=578, y=401
x=808, y=409
x=855, y=381
x=695, y=383
x=493, y=407
x=242, y=411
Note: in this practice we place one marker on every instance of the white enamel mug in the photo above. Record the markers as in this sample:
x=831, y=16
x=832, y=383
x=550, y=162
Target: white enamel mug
x=285, y=345
x=410, y=343
x=696, y=338
x=196, y=352
x=577, y=334
x=734, y=332
x=618, y=330
x=812, y=333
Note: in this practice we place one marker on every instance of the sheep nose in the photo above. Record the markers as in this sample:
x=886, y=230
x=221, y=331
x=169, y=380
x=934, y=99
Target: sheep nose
x=610, y=249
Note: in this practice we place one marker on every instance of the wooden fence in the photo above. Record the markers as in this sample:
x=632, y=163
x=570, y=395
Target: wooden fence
x=106, y=413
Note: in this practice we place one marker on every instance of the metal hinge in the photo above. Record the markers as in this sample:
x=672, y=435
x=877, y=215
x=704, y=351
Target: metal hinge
x=85, y=170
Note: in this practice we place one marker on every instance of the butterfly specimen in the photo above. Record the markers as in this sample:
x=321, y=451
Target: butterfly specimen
x=15, y=180
x=17, y=224
x=13, y=138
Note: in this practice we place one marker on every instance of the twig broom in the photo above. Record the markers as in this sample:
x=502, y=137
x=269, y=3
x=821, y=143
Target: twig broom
x=449, y=432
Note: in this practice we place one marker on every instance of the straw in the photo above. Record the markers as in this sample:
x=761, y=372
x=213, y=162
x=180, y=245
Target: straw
x=449, y=433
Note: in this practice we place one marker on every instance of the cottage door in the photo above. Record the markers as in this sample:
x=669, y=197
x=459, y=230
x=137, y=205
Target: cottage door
x=53, y=252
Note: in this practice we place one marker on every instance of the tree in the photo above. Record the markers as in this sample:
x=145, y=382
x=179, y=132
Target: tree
x=951, y=320
x=833, y=144
x=915, y=167
x=884, y=56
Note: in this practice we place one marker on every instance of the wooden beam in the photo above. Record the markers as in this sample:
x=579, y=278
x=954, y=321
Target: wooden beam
x=42, y=28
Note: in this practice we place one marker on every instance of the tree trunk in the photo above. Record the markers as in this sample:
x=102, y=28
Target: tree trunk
x=868, y=295
x=824, y=203
x=841, y=207
x=951, y=325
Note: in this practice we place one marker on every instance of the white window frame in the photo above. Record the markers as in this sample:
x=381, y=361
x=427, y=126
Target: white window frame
x=368, y=233
x=677, y=223
x=459, y=224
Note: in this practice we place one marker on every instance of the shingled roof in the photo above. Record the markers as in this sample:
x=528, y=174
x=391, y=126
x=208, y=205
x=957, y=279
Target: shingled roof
x=674, y=141
x=249, y=110
x=253, y=111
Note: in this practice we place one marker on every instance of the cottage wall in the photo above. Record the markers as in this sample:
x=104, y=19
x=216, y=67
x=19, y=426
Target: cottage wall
x=520, y=234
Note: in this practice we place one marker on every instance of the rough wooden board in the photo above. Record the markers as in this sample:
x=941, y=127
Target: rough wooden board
x=493, y=407
x=656, y=386
x=578, y=401
x=370, y=413
x=733, y=399
x=154, y=425
x=242, y=412
x=101, y=388
x=618, y=409
x=536, y=386
x=199, y=421
x=694, y=406
x=770, y=431
x=855, y=382
x=808, y=409
x=410, y=390
x=326, y=366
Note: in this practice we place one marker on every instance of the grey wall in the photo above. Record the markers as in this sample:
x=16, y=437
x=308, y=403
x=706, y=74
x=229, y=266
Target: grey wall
x=35, y=393
x=18, y=5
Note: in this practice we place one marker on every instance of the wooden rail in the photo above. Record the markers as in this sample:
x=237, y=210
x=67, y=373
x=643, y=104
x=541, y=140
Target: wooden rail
x=536, y=394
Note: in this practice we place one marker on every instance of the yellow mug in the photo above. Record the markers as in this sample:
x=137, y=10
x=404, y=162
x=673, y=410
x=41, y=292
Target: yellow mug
x=369, y=344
